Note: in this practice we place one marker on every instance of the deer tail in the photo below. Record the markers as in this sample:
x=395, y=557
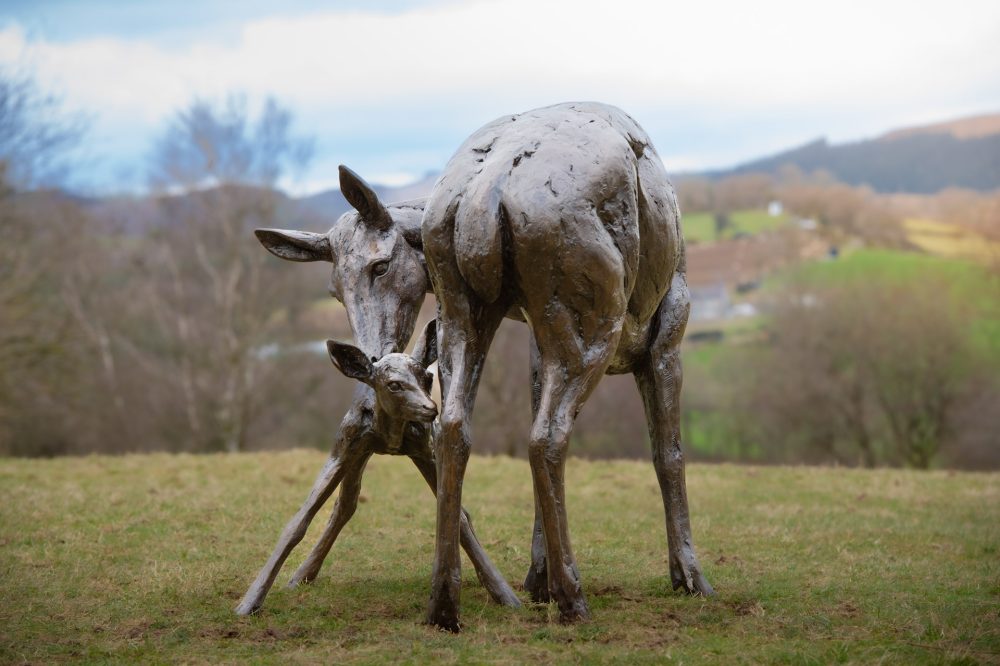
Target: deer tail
x=478, y=234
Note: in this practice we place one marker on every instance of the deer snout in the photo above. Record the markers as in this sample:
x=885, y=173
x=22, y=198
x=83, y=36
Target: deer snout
x=428, y=410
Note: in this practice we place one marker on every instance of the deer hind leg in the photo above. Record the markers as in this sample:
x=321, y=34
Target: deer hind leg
x=343, y=511
x=659, y=379
x=536, y=583
x=573, y=360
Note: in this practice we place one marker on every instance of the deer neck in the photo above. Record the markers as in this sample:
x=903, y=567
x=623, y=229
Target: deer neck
x=390, y=428
x=394, y=431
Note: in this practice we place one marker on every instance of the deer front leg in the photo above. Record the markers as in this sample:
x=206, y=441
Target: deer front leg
x=343, y=510
x=496, y=585
x=465, y=331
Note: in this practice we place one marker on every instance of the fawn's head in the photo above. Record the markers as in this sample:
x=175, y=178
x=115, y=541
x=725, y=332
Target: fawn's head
x=401, y=382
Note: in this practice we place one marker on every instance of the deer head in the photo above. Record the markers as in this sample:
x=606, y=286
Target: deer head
x=401, y=382
x=378, y=264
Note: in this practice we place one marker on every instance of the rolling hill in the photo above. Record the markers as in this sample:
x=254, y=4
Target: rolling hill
x=960, y=153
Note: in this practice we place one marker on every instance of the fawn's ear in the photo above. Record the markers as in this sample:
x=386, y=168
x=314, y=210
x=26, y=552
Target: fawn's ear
x=351, y=361
x=426, y=349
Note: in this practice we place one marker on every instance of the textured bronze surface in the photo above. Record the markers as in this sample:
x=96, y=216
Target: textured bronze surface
x=562, y=217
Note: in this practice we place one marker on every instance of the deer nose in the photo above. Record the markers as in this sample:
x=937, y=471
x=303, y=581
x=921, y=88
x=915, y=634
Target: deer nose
x=431, y=409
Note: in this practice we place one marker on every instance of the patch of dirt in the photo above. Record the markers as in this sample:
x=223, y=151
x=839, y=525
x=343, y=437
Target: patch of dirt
x=747, y=607
x=672, y=618
x=139, y=629
x=616, y=591
x=847, y=609
x=219, y=632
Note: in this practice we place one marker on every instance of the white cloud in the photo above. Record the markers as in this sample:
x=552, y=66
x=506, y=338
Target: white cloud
x=480, y=59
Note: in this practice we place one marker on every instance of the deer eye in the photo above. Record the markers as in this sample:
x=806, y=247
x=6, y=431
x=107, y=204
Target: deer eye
x=395, y=387
x=381, y=268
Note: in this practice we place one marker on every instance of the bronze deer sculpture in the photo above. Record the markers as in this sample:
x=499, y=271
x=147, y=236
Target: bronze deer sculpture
x=596, y=199
x=565, y=214
x=378, y=267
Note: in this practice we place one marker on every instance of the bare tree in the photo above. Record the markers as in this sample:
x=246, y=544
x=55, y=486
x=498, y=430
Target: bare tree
x=865, y=372
x=34, y=339
x=36, y=133
x=217, y=168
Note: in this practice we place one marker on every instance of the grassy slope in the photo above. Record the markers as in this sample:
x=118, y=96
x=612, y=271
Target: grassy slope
x=141, y=558
x=949, y=240
x=700, y=227
x=969, y=284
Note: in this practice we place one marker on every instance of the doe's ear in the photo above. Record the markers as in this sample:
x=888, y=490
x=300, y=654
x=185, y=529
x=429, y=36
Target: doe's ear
x=295, y=245
x=350, y=360
x=364, y=199
x=426, y=349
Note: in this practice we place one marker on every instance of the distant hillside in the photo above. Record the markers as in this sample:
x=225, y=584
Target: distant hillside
x=960, y=153
x=972, y=127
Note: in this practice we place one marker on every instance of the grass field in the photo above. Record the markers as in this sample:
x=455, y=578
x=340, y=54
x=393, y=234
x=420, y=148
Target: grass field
x=141, y=559
x=700, y=227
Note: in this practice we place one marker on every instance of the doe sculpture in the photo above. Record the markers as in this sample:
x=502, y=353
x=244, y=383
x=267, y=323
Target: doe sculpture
x=562, y=217
x=566, y=215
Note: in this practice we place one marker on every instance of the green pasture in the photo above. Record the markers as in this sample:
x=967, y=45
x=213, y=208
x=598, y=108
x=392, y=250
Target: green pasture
x=141, y=558
x=700, y=227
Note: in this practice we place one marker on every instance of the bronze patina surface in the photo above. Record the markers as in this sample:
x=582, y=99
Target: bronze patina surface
x=562, y=217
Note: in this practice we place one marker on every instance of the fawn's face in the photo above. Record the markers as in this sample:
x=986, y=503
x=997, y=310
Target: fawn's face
x=403, y=388
x=402, y=384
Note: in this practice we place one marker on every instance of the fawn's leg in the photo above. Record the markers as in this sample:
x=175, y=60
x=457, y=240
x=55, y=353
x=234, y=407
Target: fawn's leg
x=327, y=481
x=343, y=510
x=351, y=446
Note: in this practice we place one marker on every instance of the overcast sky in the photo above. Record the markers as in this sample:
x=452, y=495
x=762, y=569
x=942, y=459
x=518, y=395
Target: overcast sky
x=392, y=88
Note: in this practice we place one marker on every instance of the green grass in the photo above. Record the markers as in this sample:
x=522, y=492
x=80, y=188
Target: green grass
x=700, y=227
x=141, y=559
x=898, y=265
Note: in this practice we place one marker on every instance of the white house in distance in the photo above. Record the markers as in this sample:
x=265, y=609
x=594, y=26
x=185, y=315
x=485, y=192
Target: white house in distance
x=775, y=208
